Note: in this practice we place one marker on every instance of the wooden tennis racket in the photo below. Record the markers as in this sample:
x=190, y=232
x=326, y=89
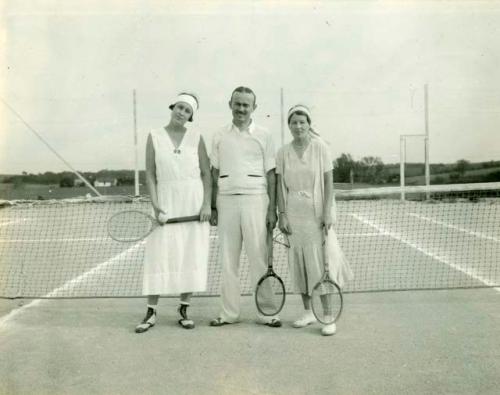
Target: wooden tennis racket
x=270, y=293
x=326, y=297
x=134, y=225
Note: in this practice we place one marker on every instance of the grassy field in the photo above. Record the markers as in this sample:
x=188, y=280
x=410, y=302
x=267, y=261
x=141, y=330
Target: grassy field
x=39, y=192
x=420, y=179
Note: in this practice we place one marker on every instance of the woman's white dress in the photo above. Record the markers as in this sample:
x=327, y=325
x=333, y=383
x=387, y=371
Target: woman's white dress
x=303, y=189
x=176, y=254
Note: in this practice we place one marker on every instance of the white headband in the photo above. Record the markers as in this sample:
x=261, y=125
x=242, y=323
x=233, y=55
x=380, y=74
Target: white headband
x=299, y=107
x=187, y=99
x=304, y=109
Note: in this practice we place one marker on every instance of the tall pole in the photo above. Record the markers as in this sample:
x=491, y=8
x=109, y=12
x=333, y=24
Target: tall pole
x=427, y=166
x=402, y=160
x=136, y=164
x=282, y=118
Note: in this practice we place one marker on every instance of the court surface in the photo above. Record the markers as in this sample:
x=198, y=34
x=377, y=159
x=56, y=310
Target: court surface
x=424, y=342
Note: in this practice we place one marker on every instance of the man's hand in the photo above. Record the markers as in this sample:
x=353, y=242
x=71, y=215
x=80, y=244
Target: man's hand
x=271, y=220
x=213, y=217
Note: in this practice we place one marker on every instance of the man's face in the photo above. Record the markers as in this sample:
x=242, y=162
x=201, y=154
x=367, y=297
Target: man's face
x=242, y=105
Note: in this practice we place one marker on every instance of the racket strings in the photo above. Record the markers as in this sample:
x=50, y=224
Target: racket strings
x=129, y=226
x=270, y=296
x=326, y=301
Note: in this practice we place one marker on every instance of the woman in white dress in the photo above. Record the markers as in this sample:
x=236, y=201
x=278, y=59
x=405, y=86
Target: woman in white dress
x=306, y=207
x=179, y=184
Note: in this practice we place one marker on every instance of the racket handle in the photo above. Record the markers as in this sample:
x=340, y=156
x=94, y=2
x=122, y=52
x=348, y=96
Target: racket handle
x=325, y=253
x=269, y=240
x=183, y=219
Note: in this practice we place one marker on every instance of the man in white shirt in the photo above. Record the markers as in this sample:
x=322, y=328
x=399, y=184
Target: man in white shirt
x=243, y=171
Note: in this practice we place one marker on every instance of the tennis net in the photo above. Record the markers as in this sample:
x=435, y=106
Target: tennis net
x=60, y=249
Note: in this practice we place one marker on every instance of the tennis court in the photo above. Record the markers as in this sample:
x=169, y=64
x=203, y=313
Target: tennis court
x=431, y=337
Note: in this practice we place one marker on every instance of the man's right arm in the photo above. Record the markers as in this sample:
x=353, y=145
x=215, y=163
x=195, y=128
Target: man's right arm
x=214, y=159
x=215, y=190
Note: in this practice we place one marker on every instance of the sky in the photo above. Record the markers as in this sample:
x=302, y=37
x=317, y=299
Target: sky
x=69, y=70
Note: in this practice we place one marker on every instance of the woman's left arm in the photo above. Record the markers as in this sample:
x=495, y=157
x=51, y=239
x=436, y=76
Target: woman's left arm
x=206, y=211
x=327, y=203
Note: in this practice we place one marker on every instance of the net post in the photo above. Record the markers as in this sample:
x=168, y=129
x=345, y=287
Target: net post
x=427, y=165
x=427, y=172
x=402, y=161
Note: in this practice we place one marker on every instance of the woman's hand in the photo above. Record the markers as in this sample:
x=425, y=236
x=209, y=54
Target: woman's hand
x=327, y=222
x=205, y=213
x=283, y=224
x=159, y=213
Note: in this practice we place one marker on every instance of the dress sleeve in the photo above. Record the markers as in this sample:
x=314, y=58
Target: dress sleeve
x=280, y=161
x=326, y=157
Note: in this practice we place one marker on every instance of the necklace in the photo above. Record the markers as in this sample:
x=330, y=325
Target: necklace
x=176, y=142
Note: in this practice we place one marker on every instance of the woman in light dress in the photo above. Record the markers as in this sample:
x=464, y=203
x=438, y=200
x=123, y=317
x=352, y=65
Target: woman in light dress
x=307, y=211
x=179, y=184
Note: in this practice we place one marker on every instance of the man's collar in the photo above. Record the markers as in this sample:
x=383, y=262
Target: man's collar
x=250, y=128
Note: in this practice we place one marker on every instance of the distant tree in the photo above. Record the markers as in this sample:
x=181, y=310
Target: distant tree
x=455, y=177
x=461, y=166
x=372, y=169
x=125, y=180
x=343, y=165
x=66, y=182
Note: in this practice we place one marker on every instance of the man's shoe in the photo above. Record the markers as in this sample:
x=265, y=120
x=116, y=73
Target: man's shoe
x=273, y=322
x=219, y=322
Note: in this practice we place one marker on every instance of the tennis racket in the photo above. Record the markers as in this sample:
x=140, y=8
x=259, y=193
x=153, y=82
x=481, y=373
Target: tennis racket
x=326, y=296
x=270, y=292
x=134, y=225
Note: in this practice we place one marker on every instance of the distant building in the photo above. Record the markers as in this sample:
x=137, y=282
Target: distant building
x=78, y=183
x=106, y=182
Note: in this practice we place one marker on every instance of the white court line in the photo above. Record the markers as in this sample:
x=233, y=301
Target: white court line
x=446, y=225
x=68, y=285
x=468, y=272
x=13, y=222
x=358, y=234
x=53, y=240
x=63, y=240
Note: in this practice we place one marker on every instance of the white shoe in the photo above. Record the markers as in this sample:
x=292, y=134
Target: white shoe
x=329, y=329
x=307, y=319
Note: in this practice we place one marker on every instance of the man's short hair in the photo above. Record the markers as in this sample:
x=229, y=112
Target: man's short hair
x=244, y=89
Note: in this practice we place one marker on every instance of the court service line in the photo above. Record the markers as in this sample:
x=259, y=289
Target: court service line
x=68, y=285
x=446, y=225
x=468, y=272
